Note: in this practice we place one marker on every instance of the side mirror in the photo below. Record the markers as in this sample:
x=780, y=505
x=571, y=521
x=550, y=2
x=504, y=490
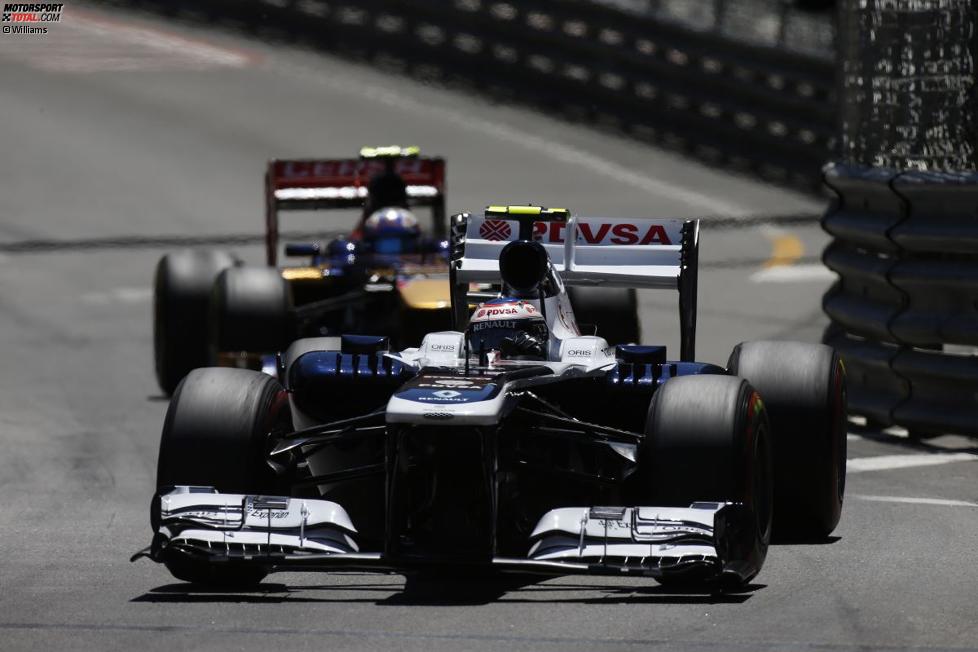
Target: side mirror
x=302, y=249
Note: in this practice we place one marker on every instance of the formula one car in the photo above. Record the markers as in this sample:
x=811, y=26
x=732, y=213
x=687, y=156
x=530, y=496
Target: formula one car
x=513, y=442
x=210, y=309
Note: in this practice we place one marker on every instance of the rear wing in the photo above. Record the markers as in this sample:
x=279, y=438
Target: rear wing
x=313, y=184
x=595, y=251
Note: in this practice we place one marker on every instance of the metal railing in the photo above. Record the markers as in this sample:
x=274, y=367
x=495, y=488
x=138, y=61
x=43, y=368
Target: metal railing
x=711, y=93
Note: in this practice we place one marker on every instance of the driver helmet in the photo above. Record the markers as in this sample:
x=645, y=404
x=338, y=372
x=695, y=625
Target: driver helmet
x=392, y=231
x=513, y=328
x=387, y=187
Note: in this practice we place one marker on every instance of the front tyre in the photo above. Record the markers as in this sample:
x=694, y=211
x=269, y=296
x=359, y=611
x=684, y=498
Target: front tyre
x=216, y=433
x=707, y=439
x=804, y=388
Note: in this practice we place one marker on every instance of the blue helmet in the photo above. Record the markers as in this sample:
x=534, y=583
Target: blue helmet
x=392, y=231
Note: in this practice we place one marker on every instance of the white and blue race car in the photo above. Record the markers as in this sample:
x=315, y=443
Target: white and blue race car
x=513, y=442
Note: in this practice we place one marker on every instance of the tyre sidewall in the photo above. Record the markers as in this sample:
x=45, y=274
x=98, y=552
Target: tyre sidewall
x=804, y=388
x=182, y=288
x=216, y=431
x=250, y=310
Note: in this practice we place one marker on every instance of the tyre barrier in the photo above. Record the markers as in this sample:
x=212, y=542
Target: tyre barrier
x=904, y=311
x=765, y=109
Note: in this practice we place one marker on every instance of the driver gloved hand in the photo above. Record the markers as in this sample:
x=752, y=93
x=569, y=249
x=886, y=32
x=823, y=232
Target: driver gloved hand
x=523, y=344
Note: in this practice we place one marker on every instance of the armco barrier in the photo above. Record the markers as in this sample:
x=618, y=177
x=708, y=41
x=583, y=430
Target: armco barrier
x=905, y=309
x=765, y=109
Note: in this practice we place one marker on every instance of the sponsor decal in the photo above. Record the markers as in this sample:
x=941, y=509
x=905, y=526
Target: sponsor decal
x=448, y=389
x=266, y=514
x=491, y=325
x=580, y=353
x=454, y=383
x=449, y=348
x=215, y=514
x=495, y=230
x=328, y=172
x=464, y=384
x=27, y=18
x=495, y=312
x=622, y=233
x=502, y=311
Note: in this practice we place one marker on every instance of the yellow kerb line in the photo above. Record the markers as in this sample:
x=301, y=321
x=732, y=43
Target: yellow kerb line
x=786, y=249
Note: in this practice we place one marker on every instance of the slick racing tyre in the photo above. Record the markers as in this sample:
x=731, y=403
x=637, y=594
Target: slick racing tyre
x=251, y=311
x=804, y=388
x=182, y=290
x=613, y=310
x=216, y=434
x=707, y=439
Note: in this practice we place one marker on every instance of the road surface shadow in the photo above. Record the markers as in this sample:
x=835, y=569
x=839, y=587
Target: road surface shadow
x=448, y=592
x=782, y=540
x=421, y=591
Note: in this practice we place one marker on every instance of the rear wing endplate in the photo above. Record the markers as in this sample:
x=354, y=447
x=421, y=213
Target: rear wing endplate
x=595, y=251
x=314, y=184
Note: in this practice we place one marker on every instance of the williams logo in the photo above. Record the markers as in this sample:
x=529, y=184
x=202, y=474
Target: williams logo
x=29, y=18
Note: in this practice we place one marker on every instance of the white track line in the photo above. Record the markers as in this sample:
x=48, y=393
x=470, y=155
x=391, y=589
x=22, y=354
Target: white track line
x=887, y=462
x=793, y=274
x=944, y=502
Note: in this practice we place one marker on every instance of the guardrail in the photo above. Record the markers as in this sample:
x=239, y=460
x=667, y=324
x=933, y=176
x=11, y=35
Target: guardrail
x=905, y=309
x=764, y=109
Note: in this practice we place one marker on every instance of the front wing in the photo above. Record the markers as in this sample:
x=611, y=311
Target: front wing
x=282, y=533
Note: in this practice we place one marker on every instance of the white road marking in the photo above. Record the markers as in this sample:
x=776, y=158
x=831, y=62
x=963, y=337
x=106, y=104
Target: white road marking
x=118, y=295
x=887, y=462
x=564, y=153
x=793, y=274
x=944, y=502
x=85, y=42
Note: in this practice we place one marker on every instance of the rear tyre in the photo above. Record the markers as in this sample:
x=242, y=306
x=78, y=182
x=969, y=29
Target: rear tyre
x=707, y=439
x=216, y=433
x=804, y=388
x=613, y=310
x=182, y=290
x=251, y=311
